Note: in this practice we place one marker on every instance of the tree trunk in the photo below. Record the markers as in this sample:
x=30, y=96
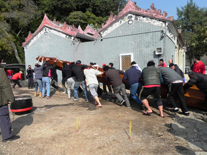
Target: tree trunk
x=16, y=54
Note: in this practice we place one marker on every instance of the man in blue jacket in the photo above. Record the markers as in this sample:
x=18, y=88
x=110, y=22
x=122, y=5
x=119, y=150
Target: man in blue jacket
x=133, y=75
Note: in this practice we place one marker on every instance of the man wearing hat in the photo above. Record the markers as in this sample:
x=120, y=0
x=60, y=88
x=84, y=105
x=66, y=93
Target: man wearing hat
x=16, y=77
x=177, y=69
x=6, y=97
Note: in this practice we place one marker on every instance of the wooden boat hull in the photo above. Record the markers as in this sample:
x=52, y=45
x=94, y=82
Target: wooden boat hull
x=193, y=96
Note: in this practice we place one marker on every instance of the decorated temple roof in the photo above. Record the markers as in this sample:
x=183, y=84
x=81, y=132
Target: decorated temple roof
x=134, y=9
x=89, y=33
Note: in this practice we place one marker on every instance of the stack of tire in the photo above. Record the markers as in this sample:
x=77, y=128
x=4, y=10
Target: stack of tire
x=22, y=105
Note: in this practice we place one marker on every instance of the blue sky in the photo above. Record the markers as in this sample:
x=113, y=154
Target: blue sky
x=169, y=6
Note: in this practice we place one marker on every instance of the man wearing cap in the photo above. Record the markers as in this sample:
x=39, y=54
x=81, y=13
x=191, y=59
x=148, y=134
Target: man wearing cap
x=16, y=77
x=92, y=83
x=133, y=75
x=174, y=82
x=177, y=69
x=77, y=71
x=6, y=97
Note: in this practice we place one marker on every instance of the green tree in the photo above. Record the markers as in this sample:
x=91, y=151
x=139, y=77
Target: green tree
x=200, y=40
x=17, y=15
x=76, y=18
x=189, y=16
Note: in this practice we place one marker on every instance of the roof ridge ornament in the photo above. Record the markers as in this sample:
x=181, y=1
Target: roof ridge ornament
x=131, y=7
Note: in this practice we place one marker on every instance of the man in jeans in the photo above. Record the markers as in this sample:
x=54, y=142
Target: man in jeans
x=133, y=75
x=77, y=71
x=116, y=81
x=38, y=70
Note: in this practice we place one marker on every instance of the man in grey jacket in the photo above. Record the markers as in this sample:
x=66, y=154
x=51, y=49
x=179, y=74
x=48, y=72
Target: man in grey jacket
x=175, y=86
x=6, y=97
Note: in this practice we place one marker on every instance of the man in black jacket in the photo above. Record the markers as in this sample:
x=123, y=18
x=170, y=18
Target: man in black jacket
x=200, y=80
x=77, y=71
x=117, y=84
x=70, y=79
x=177, y=69
x=30, y=72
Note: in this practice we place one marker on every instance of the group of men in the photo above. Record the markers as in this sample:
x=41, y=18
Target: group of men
x=142, y=83
x=151, y=78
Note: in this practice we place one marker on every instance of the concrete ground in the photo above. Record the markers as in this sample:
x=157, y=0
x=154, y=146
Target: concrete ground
x=50, y=129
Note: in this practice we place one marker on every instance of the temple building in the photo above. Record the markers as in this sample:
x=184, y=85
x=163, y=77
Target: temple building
x=134, y=34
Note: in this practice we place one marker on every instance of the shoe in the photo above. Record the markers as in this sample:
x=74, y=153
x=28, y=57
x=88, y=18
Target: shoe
x=64, y=92
x=128, y=106
x=186, y=113
x=14, y=137
x=86, y=100
x=175, y=109
x=122, y=102
x=48, y=97
x=146, y=113
x=75, y=99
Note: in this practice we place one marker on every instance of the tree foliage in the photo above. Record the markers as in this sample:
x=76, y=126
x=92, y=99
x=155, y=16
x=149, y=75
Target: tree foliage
x=18, y=17
x=191, y=20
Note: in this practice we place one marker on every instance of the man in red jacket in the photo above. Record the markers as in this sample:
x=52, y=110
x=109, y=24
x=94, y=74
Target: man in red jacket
x=9, y=74
x=198, y=66
x=162, y=64
x=16, y=77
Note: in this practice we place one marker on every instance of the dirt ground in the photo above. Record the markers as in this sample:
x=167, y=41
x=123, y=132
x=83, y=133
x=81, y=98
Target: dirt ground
x=50, y=129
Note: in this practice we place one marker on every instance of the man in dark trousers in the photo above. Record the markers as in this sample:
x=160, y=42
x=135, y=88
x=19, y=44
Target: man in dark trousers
x=64, y=78
x=77, y=71
x=151, y=86
x=6, y=97
x=175, y=86
x=30, y=72
x=200, y=80
x=133, y=75
x=118, y=86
